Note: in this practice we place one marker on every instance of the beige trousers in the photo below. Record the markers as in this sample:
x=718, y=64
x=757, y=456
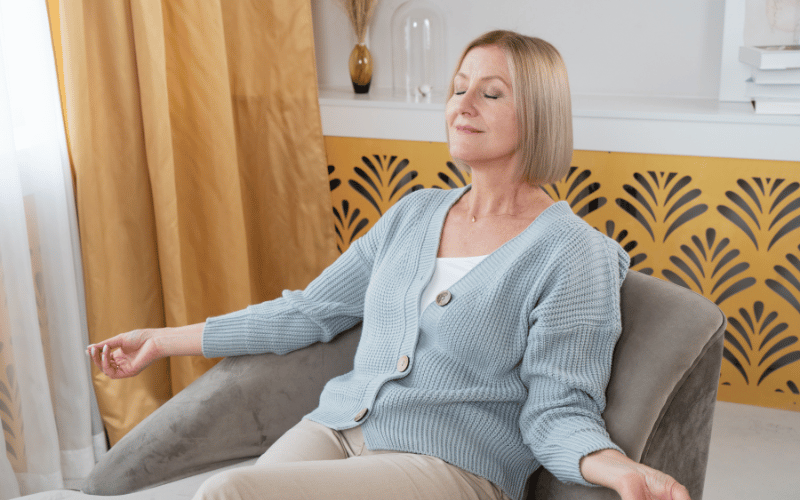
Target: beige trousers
x=313, y=462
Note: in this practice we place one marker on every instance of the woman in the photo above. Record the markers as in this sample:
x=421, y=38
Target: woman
x=490, y=315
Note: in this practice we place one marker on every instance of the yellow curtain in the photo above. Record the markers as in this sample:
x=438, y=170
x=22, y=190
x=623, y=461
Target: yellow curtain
x=200, y=169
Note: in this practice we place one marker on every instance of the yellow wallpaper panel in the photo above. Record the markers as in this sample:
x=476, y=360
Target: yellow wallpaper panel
x=727, y=229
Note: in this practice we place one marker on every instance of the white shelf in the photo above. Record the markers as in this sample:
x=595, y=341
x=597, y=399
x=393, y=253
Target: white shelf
x=686, y=127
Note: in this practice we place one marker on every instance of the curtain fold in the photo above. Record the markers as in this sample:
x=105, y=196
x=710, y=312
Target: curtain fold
x=46, y=398
x=200, y=169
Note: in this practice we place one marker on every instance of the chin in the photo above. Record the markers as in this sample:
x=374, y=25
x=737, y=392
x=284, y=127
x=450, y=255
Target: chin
x=464, y=154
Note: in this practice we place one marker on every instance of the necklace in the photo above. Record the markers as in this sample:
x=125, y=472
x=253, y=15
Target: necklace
x=509, y=214
x=497, y=215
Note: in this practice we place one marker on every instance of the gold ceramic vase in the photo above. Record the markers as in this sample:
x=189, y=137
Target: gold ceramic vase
x=360, y=68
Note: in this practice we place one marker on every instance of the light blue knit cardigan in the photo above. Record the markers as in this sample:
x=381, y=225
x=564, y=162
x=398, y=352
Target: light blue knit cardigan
x=510, y=374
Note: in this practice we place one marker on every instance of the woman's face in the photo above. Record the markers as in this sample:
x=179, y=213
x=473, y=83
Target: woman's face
x=481, y=116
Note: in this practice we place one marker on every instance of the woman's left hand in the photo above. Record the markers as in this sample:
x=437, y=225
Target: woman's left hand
x=648, y=483
x=632, y=480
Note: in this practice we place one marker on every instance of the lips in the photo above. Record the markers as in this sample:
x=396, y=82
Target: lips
x=467, y=129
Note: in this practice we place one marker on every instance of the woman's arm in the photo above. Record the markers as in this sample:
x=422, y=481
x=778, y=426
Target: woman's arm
x=331, y=303
x=567, y=367
x=632, y=480
x=127, y=354
x=575, y=324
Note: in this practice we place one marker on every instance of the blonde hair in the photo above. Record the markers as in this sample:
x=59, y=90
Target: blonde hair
x=542, y=99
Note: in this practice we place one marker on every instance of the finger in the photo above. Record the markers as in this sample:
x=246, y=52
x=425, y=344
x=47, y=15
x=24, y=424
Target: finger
x=104, y=356
x=665, y=487
x=679, y=492
x=113, y=342
x=96, y=351
x=94, y=355
x=116, y=360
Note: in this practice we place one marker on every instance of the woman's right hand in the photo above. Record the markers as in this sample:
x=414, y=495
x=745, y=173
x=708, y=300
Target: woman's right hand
x=125, y=355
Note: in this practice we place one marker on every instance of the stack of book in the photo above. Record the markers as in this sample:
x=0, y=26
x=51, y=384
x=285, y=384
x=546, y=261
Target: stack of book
x=774, y=87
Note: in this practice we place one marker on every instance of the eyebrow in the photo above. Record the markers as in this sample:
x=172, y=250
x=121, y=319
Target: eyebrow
x=485, y=78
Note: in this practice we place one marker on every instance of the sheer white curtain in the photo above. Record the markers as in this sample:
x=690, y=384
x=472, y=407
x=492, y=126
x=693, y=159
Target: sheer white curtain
x=51, y=427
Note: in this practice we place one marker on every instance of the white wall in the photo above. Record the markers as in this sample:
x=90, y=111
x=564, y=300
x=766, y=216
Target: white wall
x=612, y=47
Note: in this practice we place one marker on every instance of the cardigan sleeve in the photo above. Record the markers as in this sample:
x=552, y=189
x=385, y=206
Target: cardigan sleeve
x=332, y=303
x=574, y=328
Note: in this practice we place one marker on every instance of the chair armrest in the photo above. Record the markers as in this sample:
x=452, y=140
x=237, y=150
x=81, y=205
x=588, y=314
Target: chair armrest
x=234, y=411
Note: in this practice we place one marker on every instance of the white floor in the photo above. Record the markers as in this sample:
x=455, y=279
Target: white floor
x=755, y=454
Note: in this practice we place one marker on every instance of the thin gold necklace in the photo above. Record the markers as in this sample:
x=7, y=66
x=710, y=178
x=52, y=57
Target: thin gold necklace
x=497, y=215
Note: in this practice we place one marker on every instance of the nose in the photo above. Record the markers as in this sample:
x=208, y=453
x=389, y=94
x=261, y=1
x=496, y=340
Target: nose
x=466, y=103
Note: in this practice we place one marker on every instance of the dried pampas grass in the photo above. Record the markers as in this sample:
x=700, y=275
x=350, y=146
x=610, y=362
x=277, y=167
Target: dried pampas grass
x=359, y=12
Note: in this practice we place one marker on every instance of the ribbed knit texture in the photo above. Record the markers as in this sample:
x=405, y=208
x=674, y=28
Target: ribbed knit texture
x=510, y=374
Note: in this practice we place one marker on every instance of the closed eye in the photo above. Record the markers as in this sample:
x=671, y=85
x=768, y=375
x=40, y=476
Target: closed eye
x=488, y=96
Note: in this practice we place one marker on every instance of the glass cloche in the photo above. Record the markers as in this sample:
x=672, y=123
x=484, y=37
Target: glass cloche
x=418, y=51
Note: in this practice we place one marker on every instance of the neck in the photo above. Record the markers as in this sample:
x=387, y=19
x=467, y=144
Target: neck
x=496, y=195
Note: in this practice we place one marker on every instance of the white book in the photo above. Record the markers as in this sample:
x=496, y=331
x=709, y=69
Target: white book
x=771, y=56
x=776, y=76
x=782, y=91
x=776, y=107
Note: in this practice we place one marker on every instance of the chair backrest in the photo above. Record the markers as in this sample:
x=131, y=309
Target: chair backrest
x=663, y=384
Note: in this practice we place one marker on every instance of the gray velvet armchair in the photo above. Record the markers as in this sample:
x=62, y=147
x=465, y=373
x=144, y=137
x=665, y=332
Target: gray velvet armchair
x=660, y=401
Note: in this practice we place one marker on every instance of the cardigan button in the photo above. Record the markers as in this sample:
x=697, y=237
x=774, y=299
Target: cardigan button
x=360, y=415
x=443, y=298
x=402, y=363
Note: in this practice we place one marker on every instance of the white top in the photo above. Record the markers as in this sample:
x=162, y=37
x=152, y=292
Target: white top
x=446, y=273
